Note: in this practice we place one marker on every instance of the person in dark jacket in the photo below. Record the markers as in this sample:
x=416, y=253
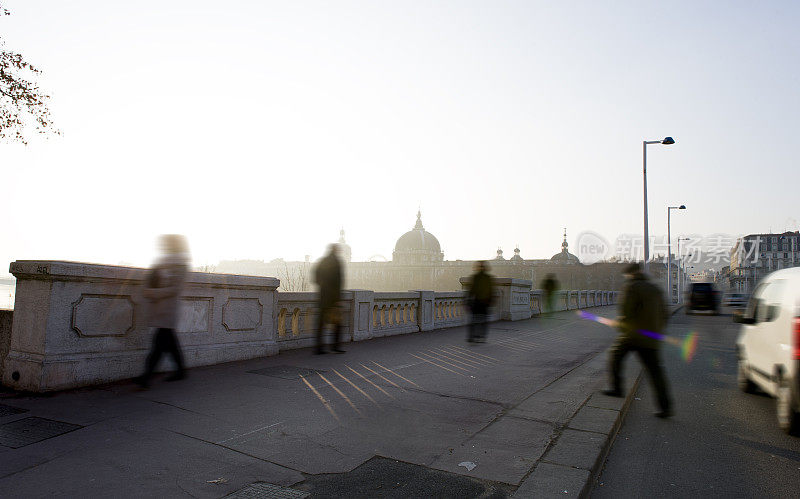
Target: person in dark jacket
x=642, y=310
x=328, y=275
x=549, y=286
x=479, y=297
x=162, y=291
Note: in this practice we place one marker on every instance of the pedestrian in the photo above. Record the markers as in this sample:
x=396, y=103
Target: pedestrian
x=162, y=291
x=550, y=286
x=642, y=310
x=328, y=276
x=479, y=298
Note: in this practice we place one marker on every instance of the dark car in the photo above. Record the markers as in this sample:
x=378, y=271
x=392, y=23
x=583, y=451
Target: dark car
x=703, y=296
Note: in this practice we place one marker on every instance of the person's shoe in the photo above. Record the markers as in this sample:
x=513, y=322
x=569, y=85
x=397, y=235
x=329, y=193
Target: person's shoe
x=470, y=340
x=664, y=414
x=176, y=376
x=141, y=381
x=339, y=350
x=319, y=352
x=612, y=393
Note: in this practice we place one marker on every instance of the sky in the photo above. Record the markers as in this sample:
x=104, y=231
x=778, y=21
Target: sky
x=259, y=129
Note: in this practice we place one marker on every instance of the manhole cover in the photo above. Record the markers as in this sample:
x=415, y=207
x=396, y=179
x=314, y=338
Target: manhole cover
x=7, y=410
x=286, y=372
x=262, y=490
x=28, y=431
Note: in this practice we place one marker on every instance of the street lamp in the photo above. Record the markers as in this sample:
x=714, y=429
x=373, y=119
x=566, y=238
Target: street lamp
x=669, y=251
x=667, y=141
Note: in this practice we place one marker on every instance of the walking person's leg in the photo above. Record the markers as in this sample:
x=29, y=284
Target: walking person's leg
x=616, y=355
x=652, y=362
x=483, y=325
x=320, y=330
x=152, y=359
x=172, y=345
x=338, y=331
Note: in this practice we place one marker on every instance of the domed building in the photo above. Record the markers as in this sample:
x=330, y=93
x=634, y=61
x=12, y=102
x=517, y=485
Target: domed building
x=417, y=246
x=565, y=257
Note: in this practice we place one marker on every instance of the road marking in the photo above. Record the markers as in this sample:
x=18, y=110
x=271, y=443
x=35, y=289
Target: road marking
x=321, y=398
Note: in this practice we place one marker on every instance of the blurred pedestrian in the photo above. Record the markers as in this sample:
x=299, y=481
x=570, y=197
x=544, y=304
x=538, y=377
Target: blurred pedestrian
x=479, y=298
x=549, y=286
x=162, y=291
x=642, y=309
x=328, y=276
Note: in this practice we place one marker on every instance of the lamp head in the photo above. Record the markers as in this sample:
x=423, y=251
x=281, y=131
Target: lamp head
x=682, y=207
x=668, y=141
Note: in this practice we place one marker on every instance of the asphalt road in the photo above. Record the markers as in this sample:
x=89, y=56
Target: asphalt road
x=721, y=443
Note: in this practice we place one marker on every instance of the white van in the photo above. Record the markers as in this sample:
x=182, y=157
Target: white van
x=769, y=344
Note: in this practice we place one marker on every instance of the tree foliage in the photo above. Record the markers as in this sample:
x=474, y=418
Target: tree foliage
x=22, y=104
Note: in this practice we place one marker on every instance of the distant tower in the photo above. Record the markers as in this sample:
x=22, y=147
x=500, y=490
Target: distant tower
x=516, y=257
x=344, y=249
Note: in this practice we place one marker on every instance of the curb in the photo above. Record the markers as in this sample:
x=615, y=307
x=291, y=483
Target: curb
x=571, y=466
x=601, y=458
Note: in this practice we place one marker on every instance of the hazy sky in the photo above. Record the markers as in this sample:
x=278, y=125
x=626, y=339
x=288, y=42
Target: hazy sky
x=258, y=129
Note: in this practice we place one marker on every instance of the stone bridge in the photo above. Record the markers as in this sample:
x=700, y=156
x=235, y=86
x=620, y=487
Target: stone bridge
x=79, y=324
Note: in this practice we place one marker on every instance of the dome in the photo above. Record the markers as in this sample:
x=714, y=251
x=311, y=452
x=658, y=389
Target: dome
x=516, y=257
x=565, y=257
x=417, y=246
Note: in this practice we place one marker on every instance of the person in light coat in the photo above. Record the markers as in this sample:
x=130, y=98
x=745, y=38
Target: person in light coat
x=162, y=291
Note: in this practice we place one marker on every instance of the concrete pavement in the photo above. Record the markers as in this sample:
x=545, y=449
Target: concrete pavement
x=404, y=416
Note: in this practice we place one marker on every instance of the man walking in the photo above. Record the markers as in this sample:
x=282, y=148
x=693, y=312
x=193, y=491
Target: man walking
x=642, y=311
x=480, y=296
x=550, y=286
x=328, y=276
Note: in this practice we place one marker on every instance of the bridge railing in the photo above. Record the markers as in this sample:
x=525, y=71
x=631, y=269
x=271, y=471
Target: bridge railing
x=77, y=324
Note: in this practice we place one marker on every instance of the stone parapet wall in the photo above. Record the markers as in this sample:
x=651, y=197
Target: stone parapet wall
x=78, y=324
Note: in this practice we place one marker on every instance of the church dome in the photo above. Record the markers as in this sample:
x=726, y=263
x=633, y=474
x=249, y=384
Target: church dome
x=565, y=257
x=417, y=246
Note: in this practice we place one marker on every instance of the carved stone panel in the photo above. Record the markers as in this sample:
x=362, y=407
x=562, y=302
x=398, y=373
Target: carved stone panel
x=194, y=314
x=242, y=314
x=363, y=316
x=97, y=315
x=520, y=298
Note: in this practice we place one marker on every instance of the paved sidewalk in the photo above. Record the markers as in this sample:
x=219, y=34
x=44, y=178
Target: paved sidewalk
x=406, y=416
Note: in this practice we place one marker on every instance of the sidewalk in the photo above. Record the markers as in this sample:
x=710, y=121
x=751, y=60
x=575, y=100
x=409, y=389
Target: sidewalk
x=414, y=415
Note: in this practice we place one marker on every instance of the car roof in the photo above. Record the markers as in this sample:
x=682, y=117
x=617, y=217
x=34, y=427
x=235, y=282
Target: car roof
x=793, y=272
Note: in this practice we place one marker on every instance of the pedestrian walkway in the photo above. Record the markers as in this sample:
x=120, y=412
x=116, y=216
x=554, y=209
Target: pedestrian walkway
x=393, y=417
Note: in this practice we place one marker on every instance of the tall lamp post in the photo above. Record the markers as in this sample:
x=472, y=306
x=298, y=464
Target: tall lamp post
x=667, y=141
x=669, y=251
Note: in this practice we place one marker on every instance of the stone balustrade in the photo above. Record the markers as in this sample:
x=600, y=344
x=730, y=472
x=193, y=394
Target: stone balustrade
x=77, y=324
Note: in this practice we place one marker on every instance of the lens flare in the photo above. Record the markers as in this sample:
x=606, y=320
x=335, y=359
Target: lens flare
x=688, y=345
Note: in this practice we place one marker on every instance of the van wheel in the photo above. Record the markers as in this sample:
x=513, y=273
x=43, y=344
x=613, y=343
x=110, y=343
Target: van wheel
x=743, y=379
x=788, y=419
